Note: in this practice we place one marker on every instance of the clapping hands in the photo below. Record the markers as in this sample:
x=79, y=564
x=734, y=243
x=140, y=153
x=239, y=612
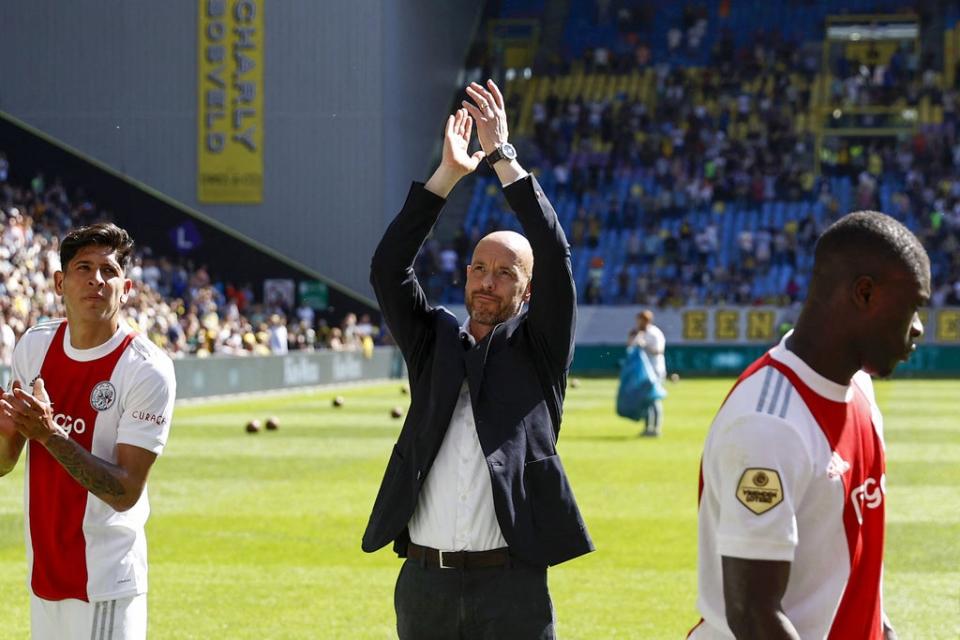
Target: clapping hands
x=31, y=415
x=487, y=112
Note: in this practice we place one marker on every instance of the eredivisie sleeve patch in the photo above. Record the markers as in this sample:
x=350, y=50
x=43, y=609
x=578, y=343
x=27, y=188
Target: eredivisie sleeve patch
x=760, y=490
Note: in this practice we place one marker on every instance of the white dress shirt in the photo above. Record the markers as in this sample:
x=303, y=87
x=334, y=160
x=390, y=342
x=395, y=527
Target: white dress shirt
x=455, y=509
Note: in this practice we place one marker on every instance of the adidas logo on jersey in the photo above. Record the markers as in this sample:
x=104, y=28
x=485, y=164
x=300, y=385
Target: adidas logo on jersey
x=869, y=495
x=837, y=466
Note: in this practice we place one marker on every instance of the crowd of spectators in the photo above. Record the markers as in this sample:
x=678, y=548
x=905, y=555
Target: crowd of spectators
x=665, y=169
x=635, y=23
x=178, y=305
x=871, y=80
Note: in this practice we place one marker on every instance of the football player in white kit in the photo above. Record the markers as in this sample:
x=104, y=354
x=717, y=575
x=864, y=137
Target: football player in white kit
x=792, y=481
x=92, y=403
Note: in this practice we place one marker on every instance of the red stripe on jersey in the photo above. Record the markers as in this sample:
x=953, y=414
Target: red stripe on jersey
x=848, y=427
x=700, y=484
x=57, y=501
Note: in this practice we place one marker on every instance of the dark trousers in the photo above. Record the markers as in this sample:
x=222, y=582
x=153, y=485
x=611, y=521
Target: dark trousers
x=501, y=603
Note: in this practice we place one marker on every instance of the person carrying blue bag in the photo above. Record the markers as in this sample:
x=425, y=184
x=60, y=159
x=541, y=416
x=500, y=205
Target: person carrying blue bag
x=640, y=395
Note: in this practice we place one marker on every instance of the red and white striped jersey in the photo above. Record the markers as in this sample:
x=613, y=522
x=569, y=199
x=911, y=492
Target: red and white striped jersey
x=121, y=392
x=793, y=470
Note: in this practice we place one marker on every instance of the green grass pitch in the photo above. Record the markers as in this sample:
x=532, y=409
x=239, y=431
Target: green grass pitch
x=258, y=536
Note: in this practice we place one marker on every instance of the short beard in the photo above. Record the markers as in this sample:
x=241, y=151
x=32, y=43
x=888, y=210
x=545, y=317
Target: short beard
x=490, y=318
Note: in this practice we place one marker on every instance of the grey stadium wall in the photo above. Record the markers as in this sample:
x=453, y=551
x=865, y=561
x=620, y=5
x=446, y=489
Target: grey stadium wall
x=355, y=92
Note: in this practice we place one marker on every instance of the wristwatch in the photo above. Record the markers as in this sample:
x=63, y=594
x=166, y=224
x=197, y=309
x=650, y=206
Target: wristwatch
x=506, y=151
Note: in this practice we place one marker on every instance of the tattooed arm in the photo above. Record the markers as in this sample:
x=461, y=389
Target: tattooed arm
x=119, y=485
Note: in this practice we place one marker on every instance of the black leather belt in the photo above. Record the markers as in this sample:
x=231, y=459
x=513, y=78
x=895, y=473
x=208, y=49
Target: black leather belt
x=459, y=559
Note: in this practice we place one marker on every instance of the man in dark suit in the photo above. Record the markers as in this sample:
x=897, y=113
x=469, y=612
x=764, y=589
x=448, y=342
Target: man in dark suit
x=474, y=495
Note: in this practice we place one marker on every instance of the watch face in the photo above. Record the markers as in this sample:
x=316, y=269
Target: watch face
x=508, y=151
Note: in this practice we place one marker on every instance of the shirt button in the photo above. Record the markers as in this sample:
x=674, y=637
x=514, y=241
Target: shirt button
x=463, y=497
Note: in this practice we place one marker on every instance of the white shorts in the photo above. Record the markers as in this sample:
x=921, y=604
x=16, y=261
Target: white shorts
x=120, y=619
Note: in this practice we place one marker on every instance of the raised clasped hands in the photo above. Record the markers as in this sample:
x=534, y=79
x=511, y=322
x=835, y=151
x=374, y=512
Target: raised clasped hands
x=487, y=109
x=31, y=415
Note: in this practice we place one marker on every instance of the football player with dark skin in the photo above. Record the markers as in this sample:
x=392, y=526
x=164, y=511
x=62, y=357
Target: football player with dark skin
x=862, y=312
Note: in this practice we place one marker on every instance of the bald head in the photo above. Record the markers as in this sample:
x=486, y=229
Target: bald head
x=512, y=242
x=498, y=280
x=866, y=243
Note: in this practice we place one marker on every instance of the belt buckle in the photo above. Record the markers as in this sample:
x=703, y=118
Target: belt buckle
x=440, y=558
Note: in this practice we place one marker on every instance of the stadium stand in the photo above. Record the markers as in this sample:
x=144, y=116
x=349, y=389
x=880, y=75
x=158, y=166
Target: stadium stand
x=688, y=157
x=182, y=308
x=680, y=143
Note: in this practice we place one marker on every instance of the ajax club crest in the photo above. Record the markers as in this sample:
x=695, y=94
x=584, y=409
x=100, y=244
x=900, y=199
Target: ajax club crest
x=103, y=396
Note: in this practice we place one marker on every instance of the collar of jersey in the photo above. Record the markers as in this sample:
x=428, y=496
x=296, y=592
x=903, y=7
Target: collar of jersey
x=822, y=386
x=86, y=355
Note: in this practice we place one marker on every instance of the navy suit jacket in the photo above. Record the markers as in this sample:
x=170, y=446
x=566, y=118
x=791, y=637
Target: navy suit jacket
x=516, y=375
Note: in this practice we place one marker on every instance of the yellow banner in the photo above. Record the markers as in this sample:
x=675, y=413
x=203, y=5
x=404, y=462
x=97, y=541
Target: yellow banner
x=230, y=102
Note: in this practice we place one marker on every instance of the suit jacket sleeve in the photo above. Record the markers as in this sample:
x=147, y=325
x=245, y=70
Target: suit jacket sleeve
x=552, y=315
x=402, y=301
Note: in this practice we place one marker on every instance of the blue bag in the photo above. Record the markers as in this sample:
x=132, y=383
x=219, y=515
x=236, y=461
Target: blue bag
x=640, y=385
